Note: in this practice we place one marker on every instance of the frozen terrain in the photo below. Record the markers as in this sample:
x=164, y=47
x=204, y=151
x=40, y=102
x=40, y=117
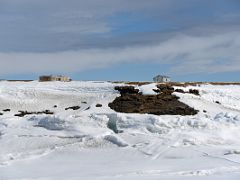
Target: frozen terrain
x=79, y=144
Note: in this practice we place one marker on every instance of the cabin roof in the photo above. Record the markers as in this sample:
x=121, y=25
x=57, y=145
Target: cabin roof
x=162, y=76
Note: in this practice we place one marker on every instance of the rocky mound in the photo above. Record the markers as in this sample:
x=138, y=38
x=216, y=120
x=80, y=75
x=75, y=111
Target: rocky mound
x=131, y=101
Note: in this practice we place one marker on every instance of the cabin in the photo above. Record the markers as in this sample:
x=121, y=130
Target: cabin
x=161, y=79
x=54, y=78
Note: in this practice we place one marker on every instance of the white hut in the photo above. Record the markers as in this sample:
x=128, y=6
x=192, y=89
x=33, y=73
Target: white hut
x=54, y=78
x=161, y=78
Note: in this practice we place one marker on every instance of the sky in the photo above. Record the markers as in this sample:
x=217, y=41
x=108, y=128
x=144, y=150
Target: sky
x=130, y=40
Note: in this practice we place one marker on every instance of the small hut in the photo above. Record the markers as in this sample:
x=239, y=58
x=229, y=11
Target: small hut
x=54, y=78
x=161, y=78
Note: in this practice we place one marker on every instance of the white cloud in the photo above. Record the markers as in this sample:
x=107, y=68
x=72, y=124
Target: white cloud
x=184, y=54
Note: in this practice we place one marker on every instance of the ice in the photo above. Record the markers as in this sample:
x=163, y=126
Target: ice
x=49, y=123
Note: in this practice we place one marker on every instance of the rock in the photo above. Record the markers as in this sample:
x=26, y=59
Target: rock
x=98, y=105
x=157, y=90
x=217, y=102
x=55, y=106
x=194, y=91
x=24, y=113
x=87, y=108
x=73, y=108
x=84, y=102
x=204, y=111
x=165, y=87
x=7, y=110
x=179, y=90
x=161, y=104
x=47, y=112
x=1, y=114
x=127, y=89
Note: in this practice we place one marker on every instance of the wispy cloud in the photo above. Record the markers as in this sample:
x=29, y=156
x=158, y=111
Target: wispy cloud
x=184, y=54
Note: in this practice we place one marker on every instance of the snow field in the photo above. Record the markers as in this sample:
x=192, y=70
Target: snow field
x=80, y=145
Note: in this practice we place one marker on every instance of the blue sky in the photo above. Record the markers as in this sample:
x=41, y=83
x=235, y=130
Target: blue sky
x=189, y=40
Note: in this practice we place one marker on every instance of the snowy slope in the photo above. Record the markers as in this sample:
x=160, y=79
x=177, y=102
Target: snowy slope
x=79, y=145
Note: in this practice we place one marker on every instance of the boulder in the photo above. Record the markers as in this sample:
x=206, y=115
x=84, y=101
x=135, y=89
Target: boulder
x=7, y=110
x=73, y=108
x=194, y=91
x=165, y=87
x=157, y=90
x=179, y=90
x=87, y=108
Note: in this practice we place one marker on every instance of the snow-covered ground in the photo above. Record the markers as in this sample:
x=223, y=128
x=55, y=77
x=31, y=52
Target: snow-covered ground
x=79, y=145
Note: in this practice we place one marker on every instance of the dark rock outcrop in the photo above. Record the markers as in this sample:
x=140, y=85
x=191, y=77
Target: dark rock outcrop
x=161, y=104
x=127, y=90
x=98, y=105
x=194, y=91
x=157, y=90
x=179, y=90
x=87, y=108
x=24, y=113
x=73, y=108
x=165, y=88
x=6, y=110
